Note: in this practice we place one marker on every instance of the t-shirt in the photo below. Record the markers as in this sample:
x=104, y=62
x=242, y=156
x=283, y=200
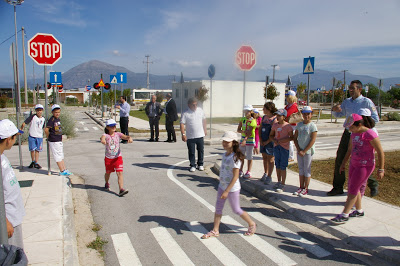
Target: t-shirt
x=226, y=172
x=304, y=135
x=55, y=129
x=14, y=204
x=36, y=126
x=193, y=120
x=282, y=131
x=112, y=145
x=362, y=153
x=247, y=124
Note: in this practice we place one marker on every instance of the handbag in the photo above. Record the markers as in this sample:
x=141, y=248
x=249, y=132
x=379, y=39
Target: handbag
x=295, y=118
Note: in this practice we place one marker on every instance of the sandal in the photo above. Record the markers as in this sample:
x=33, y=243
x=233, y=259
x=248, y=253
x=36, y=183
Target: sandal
x=251, y=231
x=212, y=233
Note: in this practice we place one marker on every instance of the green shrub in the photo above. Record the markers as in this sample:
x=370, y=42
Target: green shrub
x=68, y=123
x=392, y=116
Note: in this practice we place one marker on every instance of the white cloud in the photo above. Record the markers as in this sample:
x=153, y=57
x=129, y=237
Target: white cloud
x=184, y=63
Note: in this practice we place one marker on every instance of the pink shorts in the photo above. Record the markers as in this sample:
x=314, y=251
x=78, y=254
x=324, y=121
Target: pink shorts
x=114, y=165
x=358, y=176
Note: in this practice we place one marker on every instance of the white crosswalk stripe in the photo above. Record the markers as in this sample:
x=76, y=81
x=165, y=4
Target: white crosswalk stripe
x=95, y=128
x=125, y=252
x=263, y=246
x=76, y=129
x=292, y=236
x=86, y=129
x=214, y=245
x=173, y=251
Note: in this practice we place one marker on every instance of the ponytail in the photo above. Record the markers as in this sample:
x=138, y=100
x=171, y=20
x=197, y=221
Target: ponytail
x=236, y=149
x=106, y=131
x=368, y=122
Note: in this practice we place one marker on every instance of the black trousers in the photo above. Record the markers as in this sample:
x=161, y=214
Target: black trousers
x=169, y=126
x=192, y=145
x=154, y=125
x=340, y=178
x=123, y=123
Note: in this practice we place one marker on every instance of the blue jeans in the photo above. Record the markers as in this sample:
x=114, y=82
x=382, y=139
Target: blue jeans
x=281, y=157
x=191, y=144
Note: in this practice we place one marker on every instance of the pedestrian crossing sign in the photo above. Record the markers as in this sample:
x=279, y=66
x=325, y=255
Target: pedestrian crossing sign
x=308, y=66
x=113, y=79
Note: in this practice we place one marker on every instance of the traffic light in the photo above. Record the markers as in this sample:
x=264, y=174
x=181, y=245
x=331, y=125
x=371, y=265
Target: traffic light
x=96, y=86
x=48, y=85
x=61, y=86
x=107, y=86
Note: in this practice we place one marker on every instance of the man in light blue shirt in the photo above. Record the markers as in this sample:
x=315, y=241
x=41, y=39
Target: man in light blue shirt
x=124, y=109
x=347, y=108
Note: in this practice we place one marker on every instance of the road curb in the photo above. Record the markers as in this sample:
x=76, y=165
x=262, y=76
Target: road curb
x=101, y=123
x=260, y=192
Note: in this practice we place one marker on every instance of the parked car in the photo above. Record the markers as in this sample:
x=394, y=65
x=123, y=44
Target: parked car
x=301, y=102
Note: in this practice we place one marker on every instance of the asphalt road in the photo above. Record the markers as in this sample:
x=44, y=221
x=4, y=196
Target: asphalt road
x=161, y=219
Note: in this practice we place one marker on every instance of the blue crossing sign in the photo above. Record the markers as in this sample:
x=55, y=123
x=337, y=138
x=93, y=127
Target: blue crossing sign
x=121, y=77
x=55, y=78
x=113, y=79
x=308, y=66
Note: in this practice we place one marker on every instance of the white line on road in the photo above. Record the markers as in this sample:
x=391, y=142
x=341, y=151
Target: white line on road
x=263, y=246
x=214, y=245
x=76, y=129
x=174, y=252
x=95, y=128
x=292, y=236
x=86, y=129
x=125, y=252
x=82, y=122
x=327, y=144
x=327, y=148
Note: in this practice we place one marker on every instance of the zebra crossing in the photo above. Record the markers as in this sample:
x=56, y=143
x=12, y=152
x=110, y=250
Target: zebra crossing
x=127, y=255
x=325, y=146
x=80, y=126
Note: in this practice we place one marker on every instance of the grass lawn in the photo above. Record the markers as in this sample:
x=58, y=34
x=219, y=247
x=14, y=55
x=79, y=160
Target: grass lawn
x=389, y=186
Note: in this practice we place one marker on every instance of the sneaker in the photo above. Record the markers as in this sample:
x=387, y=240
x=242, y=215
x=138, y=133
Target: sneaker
x=107, y=186
x=31, y=165
x=303, y=193
x=201, y=168
x=268, y=180
x=280, y=188
x=356, y=213
x=335, y=192
x=297, y=192
x=192, y=169
x=340, y=219
x=374, y=191
x=64, y=173
x=240, y=173
x=123, y=192
x=68, y=172
x=37, y=166
x=276, y=185
x=263, y=177
x=247, y=175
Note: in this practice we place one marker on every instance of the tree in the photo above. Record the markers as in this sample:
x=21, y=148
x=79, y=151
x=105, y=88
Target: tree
x=271, y=92
x=301, y=88
x=159, y=96
x=202, y=94
x=395, y=93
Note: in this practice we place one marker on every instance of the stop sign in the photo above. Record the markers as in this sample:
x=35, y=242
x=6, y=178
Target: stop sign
x=44, y=49
x=246, y=57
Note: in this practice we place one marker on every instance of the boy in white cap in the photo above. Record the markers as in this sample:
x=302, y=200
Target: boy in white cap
x=35, y=138
x=53, y=132
x=14, y=204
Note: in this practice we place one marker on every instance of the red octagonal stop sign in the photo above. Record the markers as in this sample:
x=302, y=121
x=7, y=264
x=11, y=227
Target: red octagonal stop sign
x=246, y=57
x=44, y=49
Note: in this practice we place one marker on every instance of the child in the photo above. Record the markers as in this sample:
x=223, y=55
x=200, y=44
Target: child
x=53, y=132
x=304, y=139
x=281, y=134
x=113, y=159
x=14, y=205
x=363, y=143
x=266, y=145
x=229, y=185
x=35, y=138
x=257, y=117
x=247, y=126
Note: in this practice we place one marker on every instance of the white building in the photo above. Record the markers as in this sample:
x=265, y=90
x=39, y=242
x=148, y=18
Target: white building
x=227, y=96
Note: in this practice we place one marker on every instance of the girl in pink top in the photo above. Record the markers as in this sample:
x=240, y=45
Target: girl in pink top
x=113, y=159
x=363, y=143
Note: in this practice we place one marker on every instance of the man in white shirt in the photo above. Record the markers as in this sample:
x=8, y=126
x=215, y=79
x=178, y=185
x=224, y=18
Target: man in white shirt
x=195, y=123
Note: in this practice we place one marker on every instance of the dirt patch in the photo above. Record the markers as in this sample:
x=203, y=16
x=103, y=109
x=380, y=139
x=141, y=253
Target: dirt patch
x=389, y=186
x=84, y=224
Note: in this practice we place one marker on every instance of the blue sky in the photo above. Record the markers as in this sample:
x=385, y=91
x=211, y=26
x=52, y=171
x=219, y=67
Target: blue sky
x=361, y=36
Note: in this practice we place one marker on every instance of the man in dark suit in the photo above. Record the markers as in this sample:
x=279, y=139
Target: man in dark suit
x=171, y=115
x=153, y=111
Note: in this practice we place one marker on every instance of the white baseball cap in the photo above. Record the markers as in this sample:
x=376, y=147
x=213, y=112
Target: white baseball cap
x=111, y=123
x=255, y=110
x=248, y=107
x=291, y=93
x=38, y=106
x=364, y=112
x=307, y=109
x=55, y=106
x=8, y=129
x=229, y=136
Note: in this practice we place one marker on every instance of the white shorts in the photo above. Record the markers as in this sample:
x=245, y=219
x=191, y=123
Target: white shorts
x=57, y=150
x=247, y=151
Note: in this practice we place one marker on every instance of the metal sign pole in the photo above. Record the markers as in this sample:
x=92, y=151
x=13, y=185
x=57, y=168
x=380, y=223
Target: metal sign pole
x=210, y=106
x=308, y=89
x=244, y=88
x=115, y=104
x=18, y=105
x=46, y=114
x=3, y=222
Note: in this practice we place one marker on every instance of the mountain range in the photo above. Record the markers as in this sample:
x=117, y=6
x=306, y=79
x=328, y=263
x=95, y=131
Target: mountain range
x=89, y=72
